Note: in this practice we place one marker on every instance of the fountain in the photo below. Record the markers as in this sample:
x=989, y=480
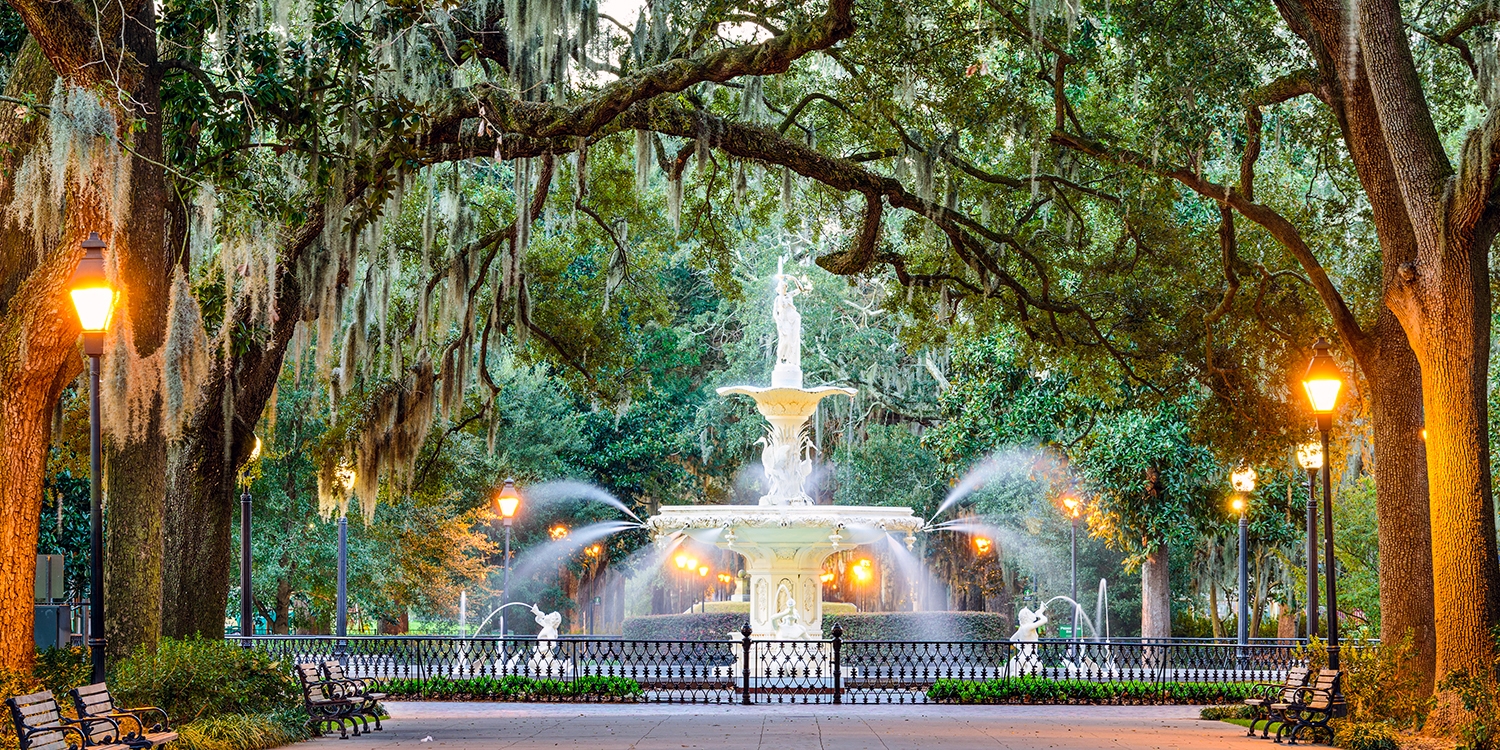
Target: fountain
x=785, y=538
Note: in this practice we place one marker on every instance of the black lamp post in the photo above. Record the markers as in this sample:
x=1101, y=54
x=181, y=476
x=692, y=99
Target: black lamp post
x=1072, y=504
x=345, y=476
x=1243, y=481
x=247, y=600
x=94, y=301
x=506, y=502
x=1323, y=382
x=1310, y=457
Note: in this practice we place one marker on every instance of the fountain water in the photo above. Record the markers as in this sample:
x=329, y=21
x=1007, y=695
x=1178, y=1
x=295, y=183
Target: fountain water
x=785, y=538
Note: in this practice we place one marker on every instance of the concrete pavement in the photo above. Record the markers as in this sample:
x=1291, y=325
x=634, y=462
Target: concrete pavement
x=493, y=726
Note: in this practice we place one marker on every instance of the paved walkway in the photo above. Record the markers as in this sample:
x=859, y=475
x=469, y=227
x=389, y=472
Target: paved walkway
x=492, y=726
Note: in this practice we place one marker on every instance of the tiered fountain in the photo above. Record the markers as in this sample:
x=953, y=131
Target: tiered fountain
x=785, y=538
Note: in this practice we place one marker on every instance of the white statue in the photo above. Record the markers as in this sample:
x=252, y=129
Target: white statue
x=1026, y=660
x=543, y=661
x=788, y=320
x=788, y=621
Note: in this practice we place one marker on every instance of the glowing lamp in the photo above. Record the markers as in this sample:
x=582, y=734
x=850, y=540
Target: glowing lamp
x=1238, y=504
x=508, y=500
x=1323, y=382
x=1310, y=455
x=1243, y=479
x=703, y=571
x=862, y=572
x=681, y=560
x=594, y=550
x=982, y=545
x=93, y=298
x=558, y=532
x=1073, y=505
x=692, y=563
x=826, y=578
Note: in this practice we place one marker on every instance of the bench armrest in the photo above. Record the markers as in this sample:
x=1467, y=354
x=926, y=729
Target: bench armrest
x=88, y=730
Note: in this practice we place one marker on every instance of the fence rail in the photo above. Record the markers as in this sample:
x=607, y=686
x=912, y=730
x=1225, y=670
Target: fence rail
x=746, y=670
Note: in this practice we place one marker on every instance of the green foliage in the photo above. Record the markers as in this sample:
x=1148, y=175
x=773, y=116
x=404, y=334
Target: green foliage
x=62, y=669
x=1479, y=694
x=702, y=626
x=1377, y=684
x=244, y=731
x=513, y=688
x=919, y=626
x=1042, y=690
x=196, y=678
x=1365, y=735
x=1220, y=713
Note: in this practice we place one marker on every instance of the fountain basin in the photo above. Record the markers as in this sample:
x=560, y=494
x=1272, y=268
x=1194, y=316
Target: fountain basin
x=784, y=548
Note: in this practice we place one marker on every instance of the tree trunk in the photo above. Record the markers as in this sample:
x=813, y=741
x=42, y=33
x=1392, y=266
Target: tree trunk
x=1403, y=525
x=201, y=480
x=38, y=357
x=1213, y=609
x=135, y=474
x=279, y=625
x=1454, y=360
x=1156, y=595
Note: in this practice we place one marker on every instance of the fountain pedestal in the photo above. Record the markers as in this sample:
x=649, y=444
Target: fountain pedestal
x=784, y=548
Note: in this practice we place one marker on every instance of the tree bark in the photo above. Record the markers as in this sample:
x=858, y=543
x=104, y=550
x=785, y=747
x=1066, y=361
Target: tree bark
x=1214, y=620
x=135, y=475
x=201, y=479
x=1403, y=526
x=1156, y=595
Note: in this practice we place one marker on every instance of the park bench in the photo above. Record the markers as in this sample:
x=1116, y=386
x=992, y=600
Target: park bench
x=1268, y=694
x=364, y=692
x=1311, y=708
x=325, y=701
x=95, y=702
x=40, y=725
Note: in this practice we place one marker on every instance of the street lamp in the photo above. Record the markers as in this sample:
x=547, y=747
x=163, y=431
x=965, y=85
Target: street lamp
x=94, y=302
x=1243, y=481
x=507, y=501
x=1073, y=507
x=247, y=622
x=982, y=545
x=344, y=477
x=1310, y=457
x=1323, y=382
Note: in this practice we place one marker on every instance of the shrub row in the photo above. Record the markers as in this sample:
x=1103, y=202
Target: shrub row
x=1040, y=690
x=863, y=626
x=512, y=688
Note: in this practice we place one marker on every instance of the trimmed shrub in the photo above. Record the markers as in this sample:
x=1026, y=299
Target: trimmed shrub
x=196, y=679
x=1220, y=713
x=1365, y=735
x=1041, y=690
x=243, y=731
x=710, y=626
x=862, y=626
x=512, y=688
x=919, y=626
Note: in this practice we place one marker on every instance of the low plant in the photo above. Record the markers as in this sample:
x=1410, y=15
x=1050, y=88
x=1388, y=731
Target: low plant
x=1221, y=713
x=1042, y=690
x=1376, y=682
x=1365, y=735
x=62, y=669
x=513, y=688
x=243, y=731
x=197, y=678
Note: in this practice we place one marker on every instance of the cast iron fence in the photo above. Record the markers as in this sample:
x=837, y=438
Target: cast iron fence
x=746, y=670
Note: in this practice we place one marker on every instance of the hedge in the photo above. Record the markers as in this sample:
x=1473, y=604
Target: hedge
x=512, y=688
x=1041, y=690
x=863, y=626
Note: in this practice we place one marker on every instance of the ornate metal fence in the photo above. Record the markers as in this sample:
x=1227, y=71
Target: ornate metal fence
x=747, y=670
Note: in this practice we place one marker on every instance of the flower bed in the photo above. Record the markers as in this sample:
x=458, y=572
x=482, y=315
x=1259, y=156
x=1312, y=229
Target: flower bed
x=512, y=688
x=1040, y=690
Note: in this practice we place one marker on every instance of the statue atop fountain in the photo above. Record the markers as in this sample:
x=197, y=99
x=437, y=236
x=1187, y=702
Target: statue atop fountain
x=786, y=455
x=786, y=537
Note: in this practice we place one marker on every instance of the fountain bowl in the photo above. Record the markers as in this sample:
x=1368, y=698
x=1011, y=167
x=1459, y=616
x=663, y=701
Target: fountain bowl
x=784, y=547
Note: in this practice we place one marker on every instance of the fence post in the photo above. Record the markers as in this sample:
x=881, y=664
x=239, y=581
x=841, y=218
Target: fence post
x=838, y=644
x=745, y=660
